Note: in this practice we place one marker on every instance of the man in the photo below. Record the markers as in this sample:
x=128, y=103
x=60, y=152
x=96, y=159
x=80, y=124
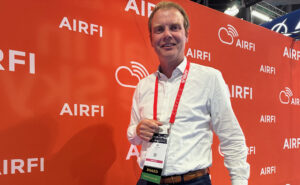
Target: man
x=193, y=100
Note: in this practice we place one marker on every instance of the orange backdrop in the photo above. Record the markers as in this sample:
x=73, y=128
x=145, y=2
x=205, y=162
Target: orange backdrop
x=68, y=70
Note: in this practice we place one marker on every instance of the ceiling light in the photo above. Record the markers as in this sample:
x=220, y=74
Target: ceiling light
x=261, y=16
x=232, y=11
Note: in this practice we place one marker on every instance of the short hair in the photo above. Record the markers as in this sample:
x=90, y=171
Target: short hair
x=168, y=5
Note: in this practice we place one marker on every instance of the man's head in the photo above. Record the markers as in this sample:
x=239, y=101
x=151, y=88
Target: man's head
x=168, y=5
x=168, y=28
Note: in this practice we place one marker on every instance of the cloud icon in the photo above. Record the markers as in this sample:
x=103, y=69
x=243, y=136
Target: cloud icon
x=129, y=77
x=284, y=95
x=227, y=35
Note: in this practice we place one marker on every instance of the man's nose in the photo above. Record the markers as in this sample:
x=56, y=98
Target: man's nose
x=167, y=33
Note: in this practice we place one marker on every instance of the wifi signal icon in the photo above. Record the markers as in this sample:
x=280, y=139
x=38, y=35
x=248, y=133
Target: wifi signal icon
x=284, y=95
x=227, y=35
x=137, y=70
x=288, y=92
x=232, y=31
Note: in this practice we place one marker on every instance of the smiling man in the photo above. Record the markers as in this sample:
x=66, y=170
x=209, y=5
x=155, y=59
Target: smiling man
x=168, y=38
x=176, y=110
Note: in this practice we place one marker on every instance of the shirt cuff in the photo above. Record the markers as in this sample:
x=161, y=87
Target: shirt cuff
x=133, y=137
x=239, y=182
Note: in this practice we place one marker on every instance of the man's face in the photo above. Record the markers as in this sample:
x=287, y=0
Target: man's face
x=168, y=36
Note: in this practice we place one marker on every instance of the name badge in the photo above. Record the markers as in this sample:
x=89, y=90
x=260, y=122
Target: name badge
x=156, y=154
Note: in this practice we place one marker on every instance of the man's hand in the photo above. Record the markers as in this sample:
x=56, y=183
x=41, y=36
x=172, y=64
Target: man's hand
x=146, y=128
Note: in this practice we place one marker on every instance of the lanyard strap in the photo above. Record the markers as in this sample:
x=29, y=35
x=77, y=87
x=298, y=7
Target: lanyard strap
x=179, y=93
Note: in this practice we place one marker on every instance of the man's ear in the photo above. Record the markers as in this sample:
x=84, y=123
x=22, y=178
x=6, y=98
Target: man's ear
x=187, y=36
x=150, y=39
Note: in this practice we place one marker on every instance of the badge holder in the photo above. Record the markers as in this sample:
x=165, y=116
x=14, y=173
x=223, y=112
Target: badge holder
x=156, y=154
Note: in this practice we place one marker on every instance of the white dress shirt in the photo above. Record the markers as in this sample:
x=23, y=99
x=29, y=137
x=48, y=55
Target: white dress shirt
x=204, y=107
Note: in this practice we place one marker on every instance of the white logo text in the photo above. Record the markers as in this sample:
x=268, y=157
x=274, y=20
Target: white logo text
x=81, y=27
x=82, y=110
x=291, y=143
x=291, y=53
x=268, y=170
x=267, y=69
x=286, y=97
x=131, y=5
x=241, y=92
x=17, y=57
x=228, y=35
x=14, y=166
x=198, y=54
x=267, y=119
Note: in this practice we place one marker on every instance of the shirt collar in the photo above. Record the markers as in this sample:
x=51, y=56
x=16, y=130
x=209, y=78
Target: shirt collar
x=180, y=68
x=182, y=65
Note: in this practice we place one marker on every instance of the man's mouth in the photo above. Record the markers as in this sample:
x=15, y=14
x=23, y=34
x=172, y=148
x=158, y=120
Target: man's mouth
x=168, y=45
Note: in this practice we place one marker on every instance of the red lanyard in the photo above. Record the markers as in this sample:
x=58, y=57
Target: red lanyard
x=179, y=93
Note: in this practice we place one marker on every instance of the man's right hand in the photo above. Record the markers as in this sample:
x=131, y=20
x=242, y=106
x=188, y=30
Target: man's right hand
x=146, y=128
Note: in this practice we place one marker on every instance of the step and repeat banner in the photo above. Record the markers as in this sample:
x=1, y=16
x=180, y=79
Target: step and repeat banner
x=68, y=70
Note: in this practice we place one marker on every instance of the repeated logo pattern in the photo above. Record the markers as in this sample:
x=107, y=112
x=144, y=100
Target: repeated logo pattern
x=137, y=71
x=227, y=35
x=284, y=95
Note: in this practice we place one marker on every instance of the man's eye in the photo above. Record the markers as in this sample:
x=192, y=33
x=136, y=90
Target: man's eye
x=175, y=27
x=158, y=30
